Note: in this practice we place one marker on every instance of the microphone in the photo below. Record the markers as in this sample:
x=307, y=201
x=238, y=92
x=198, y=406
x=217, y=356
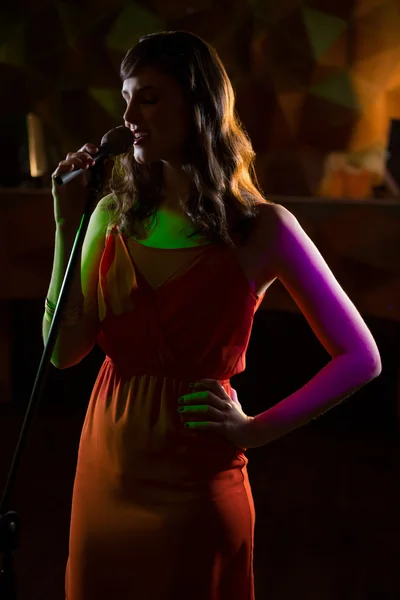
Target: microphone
x=116, y=141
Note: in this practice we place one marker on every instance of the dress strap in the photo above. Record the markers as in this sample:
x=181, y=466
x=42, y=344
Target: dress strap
x=111, y=229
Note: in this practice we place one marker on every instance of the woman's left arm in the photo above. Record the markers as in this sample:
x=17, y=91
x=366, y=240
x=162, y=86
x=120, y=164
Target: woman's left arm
x=297, y=263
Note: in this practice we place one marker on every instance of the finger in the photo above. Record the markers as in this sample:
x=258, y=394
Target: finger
x=76, y=161
x=193, y=398
x=81, y=161
x=204, y=399
x=212, y=384
x=63, y=167
x=198, y=425
x=85, y=156
x=90, y=148
x=200, y=412
x=196, y=408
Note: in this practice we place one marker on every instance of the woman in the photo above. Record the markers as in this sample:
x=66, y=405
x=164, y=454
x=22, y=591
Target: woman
x=175, y=262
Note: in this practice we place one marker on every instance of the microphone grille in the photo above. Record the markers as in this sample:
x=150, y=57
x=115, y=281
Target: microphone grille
x=117, y=140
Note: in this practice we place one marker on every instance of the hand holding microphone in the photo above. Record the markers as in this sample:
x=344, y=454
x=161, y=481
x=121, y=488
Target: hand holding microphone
x=71, y=175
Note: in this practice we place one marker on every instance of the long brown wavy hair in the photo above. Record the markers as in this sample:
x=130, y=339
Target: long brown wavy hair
x=219, y=157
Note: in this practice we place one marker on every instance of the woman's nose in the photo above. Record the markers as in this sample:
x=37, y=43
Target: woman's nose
x=132, y=114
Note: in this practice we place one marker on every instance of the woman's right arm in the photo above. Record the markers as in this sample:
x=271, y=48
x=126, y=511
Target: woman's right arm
x=74, y=342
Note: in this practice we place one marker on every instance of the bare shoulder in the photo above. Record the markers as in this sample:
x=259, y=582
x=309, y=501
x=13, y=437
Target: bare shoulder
x=103, y=213
x=282, y=239
x=105, y=205
x=273, y=218
x=276, y=224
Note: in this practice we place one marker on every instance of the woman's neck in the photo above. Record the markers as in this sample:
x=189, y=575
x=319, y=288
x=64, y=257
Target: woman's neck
x=176, y=184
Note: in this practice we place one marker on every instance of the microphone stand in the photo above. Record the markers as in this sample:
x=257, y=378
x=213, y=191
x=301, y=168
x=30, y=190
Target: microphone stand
x=10, y=531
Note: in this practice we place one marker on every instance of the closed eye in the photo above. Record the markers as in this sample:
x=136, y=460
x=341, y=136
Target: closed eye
x=141, y=102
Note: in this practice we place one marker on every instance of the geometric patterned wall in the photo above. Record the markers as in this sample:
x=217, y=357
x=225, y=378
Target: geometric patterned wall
x=330, y=72
x=312, y=77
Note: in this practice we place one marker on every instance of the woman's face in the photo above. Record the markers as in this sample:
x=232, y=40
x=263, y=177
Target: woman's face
x=155, y=104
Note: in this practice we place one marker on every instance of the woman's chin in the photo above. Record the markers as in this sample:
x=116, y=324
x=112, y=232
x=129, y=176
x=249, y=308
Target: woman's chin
x=143, y=157
x=145, y=152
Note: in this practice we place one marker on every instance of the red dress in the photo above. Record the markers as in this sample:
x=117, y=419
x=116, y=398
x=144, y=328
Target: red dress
x=160, y=513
